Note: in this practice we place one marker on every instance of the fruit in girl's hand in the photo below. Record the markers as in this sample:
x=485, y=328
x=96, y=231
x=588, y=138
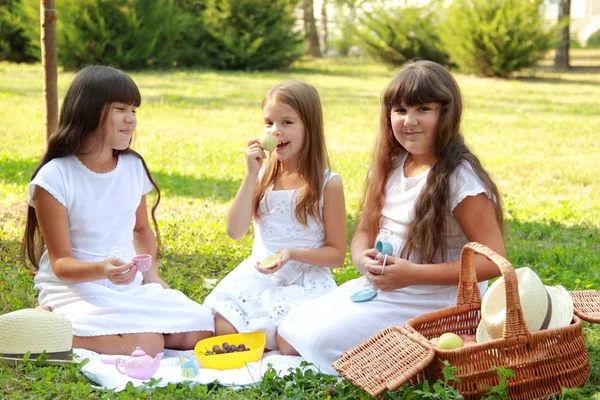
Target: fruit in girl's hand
x=268, y=142
x=270, y=261
x=449, y=341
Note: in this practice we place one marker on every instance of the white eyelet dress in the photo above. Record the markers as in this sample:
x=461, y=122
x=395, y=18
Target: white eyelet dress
x=101, y=211
x=321, y=330
x=252, y=301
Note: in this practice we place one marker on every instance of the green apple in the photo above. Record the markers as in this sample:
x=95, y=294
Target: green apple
x=449, y=341
x=268, y=142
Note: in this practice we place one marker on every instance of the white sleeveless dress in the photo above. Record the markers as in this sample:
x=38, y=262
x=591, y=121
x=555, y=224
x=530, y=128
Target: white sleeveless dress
x=321, y=330
x=101, y=211
x=252, y=301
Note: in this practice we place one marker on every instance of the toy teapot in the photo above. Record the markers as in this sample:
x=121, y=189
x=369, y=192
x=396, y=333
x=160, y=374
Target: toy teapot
x=139, y=365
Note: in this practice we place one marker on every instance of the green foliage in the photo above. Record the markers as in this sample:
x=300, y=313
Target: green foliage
x=397, y=35
x=134, y=34
x=496, y=37
x=593, y=42
x=15, y=44
x=241, y=34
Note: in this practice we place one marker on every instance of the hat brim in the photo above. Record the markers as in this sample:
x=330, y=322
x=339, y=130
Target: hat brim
x=562, y=312
x=17, y=361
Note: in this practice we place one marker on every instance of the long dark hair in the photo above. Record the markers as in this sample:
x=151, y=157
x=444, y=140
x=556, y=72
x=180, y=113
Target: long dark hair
x=422, y=82
x=304, y=99
x=83, y=112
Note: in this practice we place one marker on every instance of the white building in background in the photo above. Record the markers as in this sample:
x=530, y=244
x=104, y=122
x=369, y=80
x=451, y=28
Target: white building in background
x=585, y=17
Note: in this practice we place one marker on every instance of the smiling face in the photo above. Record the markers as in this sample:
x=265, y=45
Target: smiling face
x=119, y=126
x=283, y=122
x=416, y=127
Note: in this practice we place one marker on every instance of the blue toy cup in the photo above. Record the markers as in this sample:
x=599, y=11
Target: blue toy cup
x=384, y=247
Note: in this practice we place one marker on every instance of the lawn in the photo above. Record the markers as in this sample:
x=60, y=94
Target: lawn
x=538, y=134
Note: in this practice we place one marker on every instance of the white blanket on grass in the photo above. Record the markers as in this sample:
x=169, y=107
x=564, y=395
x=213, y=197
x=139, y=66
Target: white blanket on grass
x=106, y=375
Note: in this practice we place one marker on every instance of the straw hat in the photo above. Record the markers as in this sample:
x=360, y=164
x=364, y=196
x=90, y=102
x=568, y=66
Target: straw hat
x=35, y=331
x=544, y=307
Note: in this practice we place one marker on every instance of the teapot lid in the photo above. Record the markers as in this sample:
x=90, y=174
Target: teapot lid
x=138, y=352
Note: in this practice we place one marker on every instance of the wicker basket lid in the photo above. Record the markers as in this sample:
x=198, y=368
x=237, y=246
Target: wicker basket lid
x=385, y=361
x=587, y=305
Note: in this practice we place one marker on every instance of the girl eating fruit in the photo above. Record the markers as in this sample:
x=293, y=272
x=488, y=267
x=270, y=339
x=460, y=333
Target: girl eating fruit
x=297, y=205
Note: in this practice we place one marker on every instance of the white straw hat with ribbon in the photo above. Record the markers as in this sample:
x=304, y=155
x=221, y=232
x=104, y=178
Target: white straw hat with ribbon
x=544, y=307
x=35, y=331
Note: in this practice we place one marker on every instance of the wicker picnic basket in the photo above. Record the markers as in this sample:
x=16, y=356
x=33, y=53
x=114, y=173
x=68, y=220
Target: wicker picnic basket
x=543, y=361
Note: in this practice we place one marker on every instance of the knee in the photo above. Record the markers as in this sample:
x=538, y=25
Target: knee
x=189, y=339
x=151, y=343
x=285, y=348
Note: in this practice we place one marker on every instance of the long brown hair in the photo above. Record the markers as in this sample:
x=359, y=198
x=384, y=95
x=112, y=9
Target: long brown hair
x=422, y=82
x=304, y=99
x=83, y=112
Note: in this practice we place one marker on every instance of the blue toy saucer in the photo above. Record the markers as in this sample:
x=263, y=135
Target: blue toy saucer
x=363, y=295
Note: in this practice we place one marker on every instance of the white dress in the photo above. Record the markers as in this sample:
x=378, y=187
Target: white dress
x=323, y=329
x=252, y=301
x=101, y=210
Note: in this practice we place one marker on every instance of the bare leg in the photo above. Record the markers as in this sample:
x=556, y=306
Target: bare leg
x=45, y=308
x=185, y=340
x=151, y=343
x=222, y=326
x=285, y=348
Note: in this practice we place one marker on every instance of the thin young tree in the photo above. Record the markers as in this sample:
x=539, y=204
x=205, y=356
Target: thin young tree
x=561, y=58
x=49, y=63
x=325, y=21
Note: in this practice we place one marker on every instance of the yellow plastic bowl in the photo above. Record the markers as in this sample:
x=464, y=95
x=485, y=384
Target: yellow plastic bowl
x=255, y=341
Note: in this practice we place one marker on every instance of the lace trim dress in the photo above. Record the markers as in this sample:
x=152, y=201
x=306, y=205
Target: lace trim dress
x=252, y=301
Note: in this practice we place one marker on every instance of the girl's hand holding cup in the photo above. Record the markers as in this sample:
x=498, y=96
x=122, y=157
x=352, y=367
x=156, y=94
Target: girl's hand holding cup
x=118, y=272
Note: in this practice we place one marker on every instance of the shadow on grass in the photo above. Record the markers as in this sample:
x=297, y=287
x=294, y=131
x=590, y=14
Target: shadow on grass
x=206, y=187
x=17, y=171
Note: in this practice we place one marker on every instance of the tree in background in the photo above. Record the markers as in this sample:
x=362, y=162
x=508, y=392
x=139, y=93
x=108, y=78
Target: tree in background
x=325, y=21
x=396, y=35
x=310, y=29
x=496, y=37
x=561, y=58
x=240, y=34
x=347, y=11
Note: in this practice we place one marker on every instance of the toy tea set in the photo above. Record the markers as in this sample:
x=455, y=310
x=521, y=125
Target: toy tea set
x=543, y=345
x=142, y=366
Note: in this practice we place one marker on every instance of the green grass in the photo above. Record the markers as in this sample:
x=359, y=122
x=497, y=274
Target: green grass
x=537, y=134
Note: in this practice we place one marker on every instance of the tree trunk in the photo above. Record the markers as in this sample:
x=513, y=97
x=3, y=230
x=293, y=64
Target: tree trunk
x=310, y=28
x=561, y=59
x=49, y=62
x=324, y=22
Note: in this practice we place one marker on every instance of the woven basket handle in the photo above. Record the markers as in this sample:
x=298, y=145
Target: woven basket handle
x=468, y=290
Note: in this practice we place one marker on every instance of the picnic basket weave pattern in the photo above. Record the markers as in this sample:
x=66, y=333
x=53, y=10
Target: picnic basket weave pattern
x=543, y=361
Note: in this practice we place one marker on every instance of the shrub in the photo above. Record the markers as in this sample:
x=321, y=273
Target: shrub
x=241, y=34
x=15, y=44
x=397, y=35
x=133, y=34
x=593, y=42
x=496, y=37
